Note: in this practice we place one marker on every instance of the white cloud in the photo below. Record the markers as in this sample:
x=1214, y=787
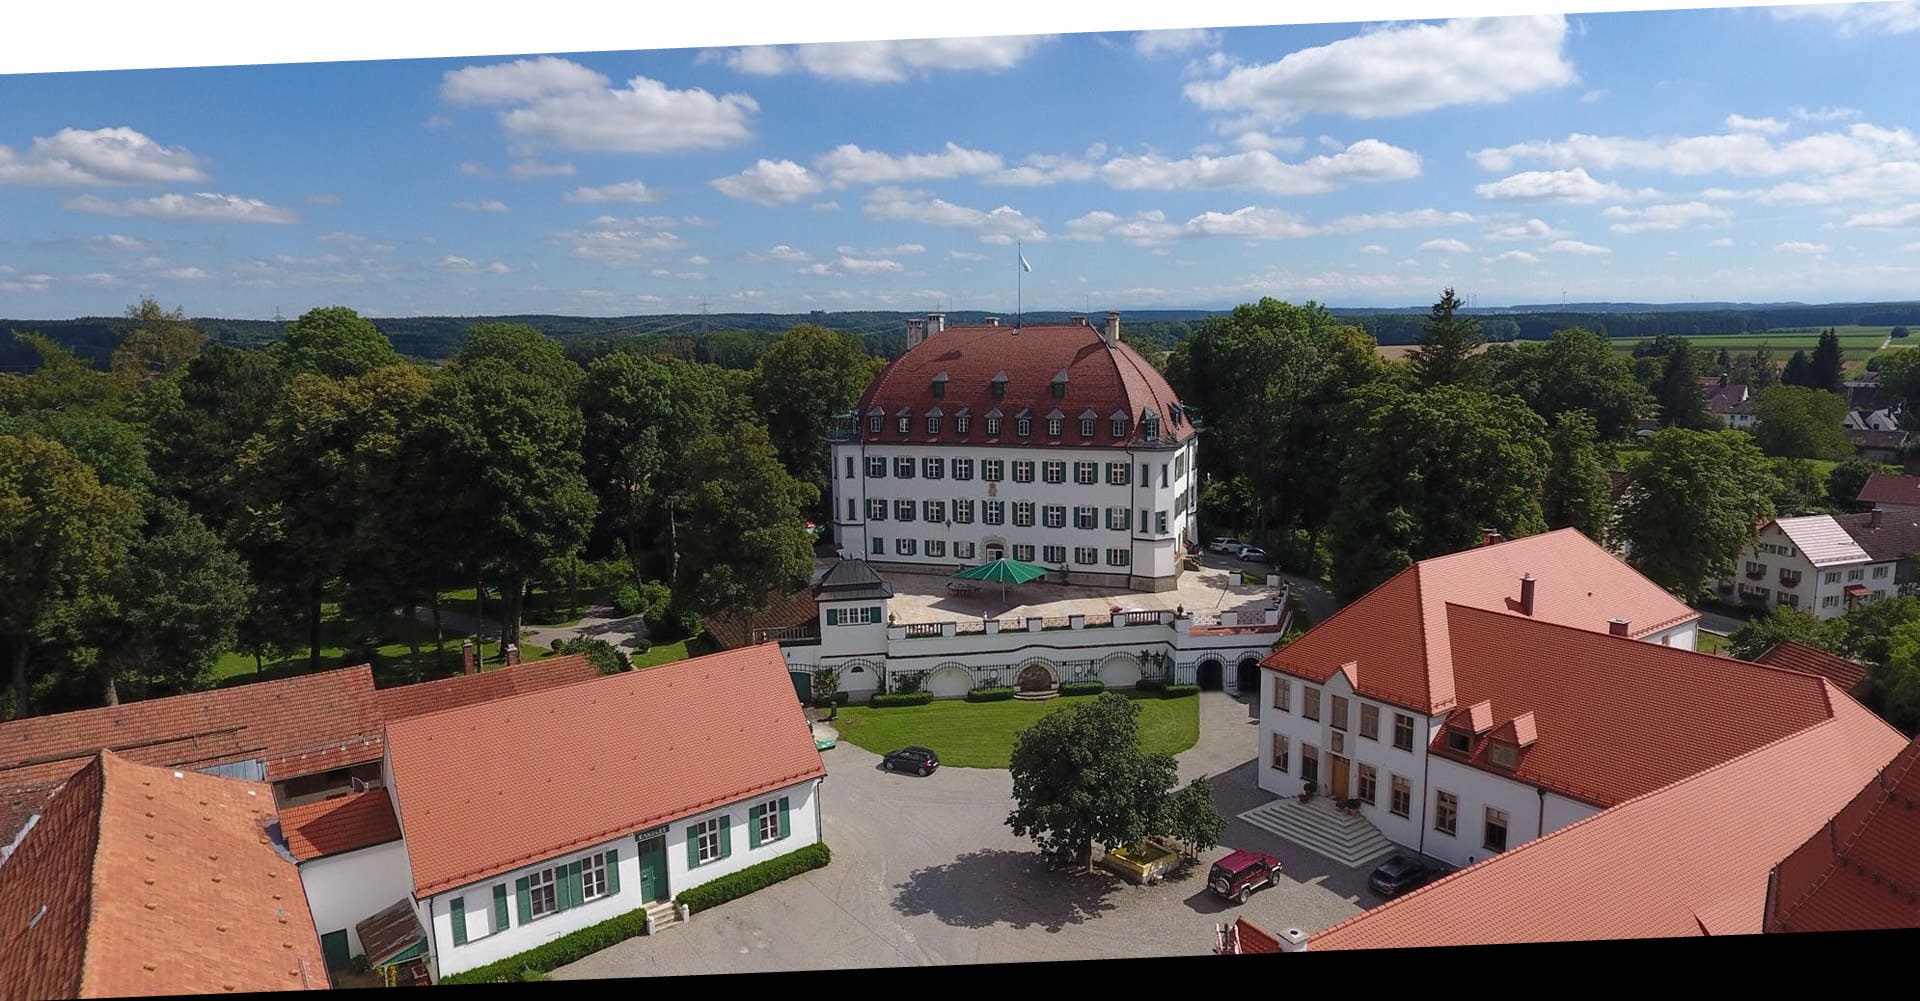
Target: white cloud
x=198, y=207
x=1445, y=245
x=816, y=270
x=1152, y=44
x=1910, y=247
x=1400, y=69
x=13, y=281
x=771, y=182
x=472, y=169
x=1749, y=154
x=1140, y=228
x=886, y=62
x=1414, y=219
x=1879, y=182
x=1373, y=248
x=1826, y=114
x=620, y=243
x=782, y=253
x=518, y=82
x=1272, y=143
x=1000, y=225
x=463, y=265
x=1368, y=160
x=1516, y=257
x=645, y=116
x=101, y=278
x=868, y=266
x=1532, y=229
x=356, y=242
x=900, y=250
x=1905, y=215
x=1802, y=247
x=1576, y=247
x=438, y=122
x=1251, y=223
x=965, y=255
x=1899, y=17
x=625, y=191
x=1677, y=215
x=489, y=205
x=88, y=157
x=1594, y=96
x=1768, y=126
x=1574, y=185
x=525, y=169
x=699, y=260
x=185, y=274
x=826, y=206
x=849, y=164
x=117, y=241
x=1042, y=169
x=1721, y=242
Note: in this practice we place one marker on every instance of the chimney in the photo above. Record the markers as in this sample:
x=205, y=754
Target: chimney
x=936, y=323
x=916, y=331
x=1873, y=518
x=1292, y=940
x=1489, y=536
x=466, y=657
x=1526, y=595
x=1076, y=319
x=1617, y=627
x=993, y=321
x=513, y=654
x=1112, y=334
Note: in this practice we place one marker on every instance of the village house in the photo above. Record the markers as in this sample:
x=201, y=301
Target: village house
x=1812, y=563
x=1890, y=492
x=141, y=880
x=531, y=816
x=1729, y=401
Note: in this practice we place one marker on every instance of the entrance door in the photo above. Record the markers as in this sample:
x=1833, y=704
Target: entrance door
x=995, y=551
x=1337, y=782
x=1249, y=678
x=802, y=685
x=1209, y=675
x=333, y=946
x=653, y=870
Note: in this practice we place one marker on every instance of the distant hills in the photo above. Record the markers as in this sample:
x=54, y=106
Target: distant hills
x=436, y=337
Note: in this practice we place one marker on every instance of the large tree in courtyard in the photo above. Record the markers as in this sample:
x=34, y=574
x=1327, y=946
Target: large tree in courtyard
x=745, y=536
x=1692, y=505
x=1081, y=779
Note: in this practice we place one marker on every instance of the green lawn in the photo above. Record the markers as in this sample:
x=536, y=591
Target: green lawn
x=391, y=661
x=1707, y=642
x=980, y=735
x=547, y=607
x=667, y=653
x=1627, y=458
x=1856, y=343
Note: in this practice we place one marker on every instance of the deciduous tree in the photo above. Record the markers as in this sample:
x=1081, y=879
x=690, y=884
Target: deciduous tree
x=745, y=537
x=1693, y=505
x=1576, y=370
x=156, y=344
x=1577, y=492
x=1081, y=779
x=1801, y=423
x=1762, y=633
x=336, y=342
x=800, y=383
x=1846, y=479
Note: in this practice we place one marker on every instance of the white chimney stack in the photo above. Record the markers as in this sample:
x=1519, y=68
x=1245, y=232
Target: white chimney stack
x=916, y=331
x=1617, y=627
x=936, y=323
x=1112, y=332
x=1293, y=940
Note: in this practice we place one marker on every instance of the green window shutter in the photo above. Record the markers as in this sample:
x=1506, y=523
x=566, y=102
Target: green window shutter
x=525, y=896
x=753, y=826
x=784, y=830
x=613, y=871
x=693, y=847
x=460, y=920
x=726, y=837
x=578, y=884
x=877, y=617
x=833, y=616
x=499, y=907
x=563, y=887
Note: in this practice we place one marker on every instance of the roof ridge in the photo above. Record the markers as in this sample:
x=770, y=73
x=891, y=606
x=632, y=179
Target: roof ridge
x=1839, y=850
x=93, y=862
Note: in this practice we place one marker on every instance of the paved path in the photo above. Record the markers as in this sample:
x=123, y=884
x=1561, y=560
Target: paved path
x=600, y=623
x=1318, y=598
x=925, y=872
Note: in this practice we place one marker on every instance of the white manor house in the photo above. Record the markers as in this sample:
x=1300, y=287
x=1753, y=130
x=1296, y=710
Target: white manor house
x=1057, y=445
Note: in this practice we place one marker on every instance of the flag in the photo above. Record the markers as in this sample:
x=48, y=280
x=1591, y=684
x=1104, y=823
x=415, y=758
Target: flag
x=1024, y=266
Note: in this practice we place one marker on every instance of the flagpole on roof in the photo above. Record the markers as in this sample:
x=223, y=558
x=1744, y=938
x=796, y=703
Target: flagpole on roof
x=1019, y=285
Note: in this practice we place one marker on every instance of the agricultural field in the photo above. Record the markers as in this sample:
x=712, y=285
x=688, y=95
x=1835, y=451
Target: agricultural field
x=1857, y=343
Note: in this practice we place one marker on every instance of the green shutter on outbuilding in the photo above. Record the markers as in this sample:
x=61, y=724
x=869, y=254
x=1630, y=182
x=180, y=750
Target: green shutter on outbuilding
x=693, y=847
x=833, y=616
x=784, y=831
x=578, y=885
x=753, y=826
x=460, y=920
x=613, y=873
x=726, y=837
x=499, y=907
x=525, y=897
x=877, y=617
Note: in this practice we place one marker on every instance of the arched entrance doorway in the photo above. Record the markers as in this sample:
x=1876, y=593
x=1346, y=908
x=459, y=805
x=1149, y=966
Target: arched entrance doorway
x=1209, y=676
x=1035, y=677
x=1247, y=676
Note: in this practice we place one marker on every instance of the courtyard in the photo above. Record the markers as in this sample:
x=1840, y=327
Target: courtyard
x=925, y=872
x=1211, y=592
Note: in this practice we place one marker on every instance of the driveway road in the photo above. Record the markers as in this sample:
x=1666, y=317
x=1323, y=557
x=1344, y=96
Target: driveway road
x=925, y=872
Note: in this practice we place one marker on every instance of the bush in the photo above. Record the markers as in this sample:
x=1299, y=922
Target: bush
x=1083, y=688
x=535, y=962
x=1001, y=694
x=1179, y=691
x=754, y=877
x=601, y=654
x=836, y=699
x=892, y=699
x=656, y=604
x=908, y=682
x=626, y=599
x=1151, y=684
x=642, y=645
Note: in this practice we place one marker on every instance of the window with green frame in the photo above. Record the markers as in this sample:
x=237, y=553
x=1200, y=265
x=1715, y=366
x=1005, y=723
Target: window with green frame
x=549, y=891
x=767, y=822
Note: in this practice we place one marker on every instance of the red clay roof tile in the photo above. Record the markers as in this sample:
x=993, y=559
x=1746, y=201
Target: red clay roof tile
x=1808, y=660
x=484, y=789
x=1689, y=859
x=783, y=611
x=339, y=825
x=425, y=697
x=1253, y=939
x=1891, y=490
x=143, y=881
x=1861, y=870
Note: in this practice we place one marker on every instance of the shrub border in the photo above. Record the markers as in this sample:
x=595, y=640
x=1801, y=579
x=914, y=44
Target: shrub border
x=896, y=699
x=759, y=876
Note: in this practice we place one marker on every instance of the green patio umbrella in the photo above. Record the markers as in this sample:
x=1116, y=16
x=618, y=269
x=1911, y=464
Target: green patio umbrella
x=1004, y=572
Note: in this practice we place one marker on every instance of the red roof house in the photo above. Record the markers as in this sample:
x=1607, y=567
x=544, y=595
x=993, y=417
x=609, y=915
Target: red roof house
x=1850, y=675
x=407, y=701
x=1861, y=869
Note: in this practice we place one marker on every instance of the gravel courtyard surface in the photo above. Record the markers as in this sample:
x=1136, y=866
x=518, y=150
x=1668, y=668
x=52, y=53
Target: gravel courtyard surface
x=925, y=872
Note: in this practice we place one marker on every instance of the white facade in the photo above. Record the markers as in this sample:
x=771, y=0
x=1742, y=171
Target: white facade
x=1775, y=571
x=489, y=940
x=1141, y=502
x=1397, y=753
x=346, y=889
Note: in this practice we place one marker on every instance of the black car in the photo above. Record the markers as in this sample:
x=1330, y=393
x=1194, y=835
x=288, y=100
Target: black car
x=911, y=759
x=1399, y=874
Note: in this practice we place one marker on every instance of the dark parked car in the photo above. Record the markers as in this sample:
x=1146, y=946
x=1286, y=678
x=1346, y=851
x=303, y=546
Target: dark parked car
x=1241, y=873
x=911, y=759
x=1399, y=874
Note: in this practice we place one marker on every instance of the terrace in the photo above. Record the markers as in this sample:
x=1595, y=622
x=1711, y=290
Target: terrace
x=1214, y=598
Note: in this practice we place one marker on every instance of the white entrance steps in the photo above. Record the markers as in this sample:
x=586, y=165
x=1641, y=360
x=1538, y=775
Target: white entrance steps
x=1037, y=696
x=663, y=914
x=1318, y=825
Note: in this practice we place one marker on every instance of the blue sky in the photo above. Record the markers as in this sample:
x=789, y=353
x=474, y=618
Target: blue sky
x=1746, y=154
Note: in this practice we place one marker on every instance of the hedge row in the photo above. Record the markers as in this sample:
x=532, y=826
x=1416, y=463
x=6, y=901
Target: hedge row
x=1151, y=684
x=1178, y=691
x=990, y=695
x=897, y=699
x=755, y=877
x=1083, y=688
x=557, y=953
x=838, y=699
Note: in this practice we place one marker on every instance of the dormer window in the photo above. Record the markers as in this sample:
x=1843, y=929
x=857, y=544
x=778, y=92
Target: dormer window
x=906, y=424
x=940, y=385
x=1060, y=383
x=1151, y=425
x=1119, y=425
x=1000, y=386
x=1460, y=740
x=993, y=427
x=1086, y=427
x=873, y=424
x=962, y=422
x=1503, y=754
x=1023, y=426
x=1053, y=427
x=933, y=423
